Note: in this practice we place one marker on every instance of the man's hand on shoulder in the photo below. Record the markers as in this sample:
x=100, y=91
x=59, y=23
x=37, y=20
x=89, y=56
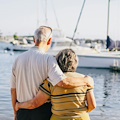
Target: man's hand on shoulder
x=71, y=82
x=89, y=81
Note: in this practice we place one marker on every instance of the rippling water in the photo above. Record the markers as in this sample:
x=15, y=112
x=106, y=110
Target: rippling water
x=107, y=90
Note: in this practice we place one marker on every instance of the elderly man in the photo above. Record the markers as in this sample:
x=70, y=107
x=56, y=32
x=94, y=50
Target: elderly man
x=30, y=69
x=67, y=103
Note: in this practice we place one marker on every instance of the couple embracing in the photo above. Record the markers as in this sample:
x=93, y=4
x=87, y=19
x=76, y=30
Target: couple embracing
x=44, y=87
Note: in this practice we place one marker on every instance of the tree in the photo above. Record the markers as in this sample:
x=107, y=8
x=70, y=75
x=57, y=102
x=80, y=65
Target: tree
x=15, y=36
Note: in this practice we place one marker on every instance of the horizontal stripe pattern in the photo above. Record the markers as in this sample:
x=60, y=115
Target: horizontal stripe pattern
x=66, y=101
x=68, y=94
x=44, y=90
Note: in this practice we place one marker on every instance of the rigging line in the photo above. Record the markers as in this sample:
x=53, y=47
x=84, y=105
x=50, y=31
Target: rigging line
x=38, y=21
x=41, y=7
x=46, y=19
x=78, y=19
x=55, y=14
x=108, y=17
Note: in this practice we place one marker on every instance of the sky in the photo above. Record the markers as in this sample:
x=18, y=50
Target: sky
x=21, y=16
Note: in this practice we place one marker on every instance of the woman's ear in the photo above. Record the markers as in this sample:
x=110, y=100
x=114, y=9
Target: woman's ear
x=49, y=41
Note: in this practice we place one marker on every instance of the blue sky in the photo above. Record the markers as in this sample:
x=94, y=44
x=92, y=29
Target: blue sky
x=20, y=16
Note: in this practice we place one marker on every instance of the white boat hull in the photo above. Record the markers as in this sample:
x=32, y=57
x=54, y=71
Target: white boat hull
x=86, y=60
x=21, y=47
x=97, y=61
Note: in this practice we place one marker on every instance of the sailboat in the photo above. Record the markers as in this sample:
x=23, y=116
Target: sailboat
x=88, y=58
x=111, y=45
x=101, y=59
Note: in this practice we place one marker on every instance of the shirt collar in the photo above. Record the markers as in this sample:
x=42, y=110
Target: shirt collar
x=39, y=49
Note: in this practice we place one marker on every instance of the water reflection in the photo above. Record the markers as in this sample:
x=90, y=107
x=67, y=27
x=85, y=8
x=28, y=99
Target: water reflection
x=111, y=89
x=107, y=93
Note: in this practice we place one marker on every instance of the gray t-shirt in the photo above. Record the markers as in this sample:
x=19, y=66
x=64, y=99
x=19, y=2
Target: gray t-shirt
x=30, y=69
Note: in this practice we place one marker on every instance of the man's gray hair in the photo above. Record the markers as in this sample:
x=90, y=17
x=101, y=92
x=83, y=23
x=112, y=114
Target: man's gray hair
x=42, y=34
x=67, y=60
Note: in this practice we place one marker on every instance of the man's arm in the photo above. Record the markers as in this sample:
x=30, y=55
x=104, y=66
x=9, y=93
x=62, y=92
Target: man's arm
x=70, y=82
x=13, y=99
x=38, y=100
x=91, y=101
x=56, y=77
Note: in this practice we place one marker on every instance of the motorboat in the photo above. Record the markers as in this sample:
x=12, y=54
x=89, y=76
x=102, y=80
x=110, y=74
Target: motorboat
x=5, y=41
x=22, y=44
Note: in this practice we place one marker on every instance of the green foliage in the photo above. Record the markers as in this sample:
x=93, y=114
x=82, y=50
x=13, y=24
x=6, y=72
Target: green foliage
x=15, y=36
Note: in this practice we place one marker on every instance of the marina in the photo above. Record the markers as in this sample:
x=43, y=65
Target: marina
x=107, y=92
x=88, y=57
x=107, y=57
x=98, y=53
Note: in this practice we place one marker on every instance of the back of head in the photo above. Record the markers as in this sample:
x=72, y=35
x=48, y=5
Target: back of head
x=67, y=60
x=42, y=34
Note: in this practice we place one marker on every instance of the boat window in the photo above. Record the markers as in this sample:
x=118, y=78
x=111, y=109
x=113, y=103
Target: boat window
x=52, y=44
x=20, y=40
x=22, y=43
x=29, y=41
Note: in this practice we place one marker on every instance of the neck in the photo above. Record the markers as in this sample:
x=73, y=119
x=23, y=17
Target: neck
x=41, y=45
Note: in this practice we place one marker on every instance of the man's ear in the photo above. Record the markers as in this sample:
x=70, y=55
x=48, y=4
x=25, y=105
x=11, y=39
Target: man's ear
x=33, y=39
x=49, y=41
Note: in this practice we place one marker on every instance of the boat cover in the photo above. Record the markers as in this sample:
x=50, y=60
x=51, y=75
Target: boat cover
x=111, y=45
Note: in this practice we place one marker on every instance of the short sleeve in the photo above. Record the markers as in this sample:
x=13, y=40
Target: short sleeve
x=55, y=75
x=89, y=89
x=46, y=87
x=13, y=77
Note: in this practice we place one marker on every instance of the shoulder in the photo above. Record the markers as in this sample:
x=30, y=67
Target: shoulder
x=22, y=55
x=50, y=56
x=74, y=74
x=79, y=74
x=46, y=83
x=51, y=59
x=46, y=87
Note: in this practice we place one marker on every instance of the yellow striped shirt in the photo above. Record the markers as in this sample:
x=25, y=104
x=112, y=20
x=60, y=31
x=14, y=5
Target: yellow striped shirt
x=67, y=102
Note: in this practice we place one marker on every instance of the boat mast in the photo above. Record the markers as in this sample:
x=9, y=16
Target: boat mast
x=46, y=20
x=38, y=13
x=55, y=14
x=38, y=21
x=108, y=17
x=78, y=19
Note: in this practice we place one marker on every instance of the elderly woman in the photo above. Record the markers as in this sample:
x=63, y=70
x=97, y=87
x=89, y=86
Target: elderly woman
x=67, y=103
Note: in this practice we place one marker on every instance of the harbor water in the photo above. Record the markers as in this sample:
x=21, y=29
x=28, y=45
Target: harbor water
x=106, y=90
